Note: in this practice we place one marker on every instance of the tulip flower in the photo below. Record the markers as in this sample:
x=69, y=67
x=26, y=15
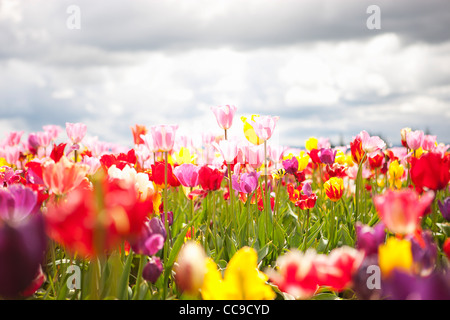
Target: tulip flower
x=404, y=133
x=210, y=179
x=120, y=161
x=152, y=270
x=302, y=274
x=259, y=128
x=157, y=174
x=414, y=139
x=63, y=176
x=302, y=196
x=291, y=165
x=22, y=241
x=13, y=138
x=190, y=268
x=371, y=144
x=395, y=254
x=445, y=208
x=228, y=150
x=245, y=182
x=224, y=115
x=376, y=161
x=138, y=130
x=187, y=174
x=396, y=172
x=76, y=131
x=403, y=285
x=368, y=239
x=151, y=239
x=402, y=210
x=429, y=142
x=241, y=280
x=264, y=126
x=17, y=202
x=334, y=188
x=327, y=156
x=52, y=130
x=164, y=137
x=254, y=155
x=74, y=221
x=311, y=143
x=431, y=171
x=357, y=150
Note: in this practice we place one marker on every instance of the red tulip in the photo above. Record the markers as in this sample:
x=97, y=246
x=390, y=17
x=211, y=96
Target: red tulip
x=157, y=175
x=431, y=171
x=90, y=225
x=210, y=179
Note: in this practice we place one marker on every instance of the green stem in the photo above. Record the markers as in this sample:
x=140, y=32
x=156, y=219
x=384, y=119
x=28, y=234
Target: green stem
x=166, y=220
x=139, y=277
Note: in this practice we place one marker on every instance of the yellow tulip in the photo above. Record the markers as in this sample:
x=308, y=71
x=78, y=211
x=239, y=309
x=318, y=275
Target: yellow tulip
x=184, y=156
x=242, y=280
x=395, y=254
x=249, y=132
x=311, y=143
x=396, y=171
x=303, y=160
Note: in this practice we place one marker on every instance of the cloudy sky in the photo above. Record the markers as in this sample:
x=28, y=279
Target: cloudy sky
x=314, y=63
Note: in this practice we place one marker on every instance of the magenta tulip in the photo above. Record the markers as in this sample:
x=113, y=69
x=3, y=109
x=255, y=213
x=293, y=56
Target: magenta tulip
x=187, y=174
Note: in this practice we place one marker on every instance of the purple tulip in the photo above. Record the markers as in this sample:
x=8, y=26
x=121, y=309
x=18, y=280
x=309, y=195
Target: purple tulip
x=368, y=239
x=327, y=156
x=152, y=238
x=445, y=208
x=246, y=182
x=291, y=165
x=17, y=202
x=425, y=257
x=404, y=286
x=152, y=270
x=22, y=250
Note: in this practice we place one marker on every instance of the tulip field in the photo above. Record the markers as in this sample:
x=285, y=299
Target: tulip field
x=230, y=219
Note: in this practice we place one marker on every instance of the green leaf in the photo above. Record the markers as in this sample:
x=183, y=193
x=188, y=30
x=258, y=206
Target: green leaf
x=262, y=253
x=123, y=280
x=325, y=296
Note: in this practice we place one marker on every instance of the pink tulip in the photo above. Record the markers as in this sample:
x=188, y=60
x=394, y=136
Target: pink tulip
x=187, y=174
x=254, y=155
x=53, y=130
x=414, y=139
x=13, y=138
x=264, y=126
x=371, y=144
x=429, y=142
x=11, y=154
x=76, y=131
x=164, y=137
x=44, y=138
x=228, y=149
x=224, y=115
x=401, y=210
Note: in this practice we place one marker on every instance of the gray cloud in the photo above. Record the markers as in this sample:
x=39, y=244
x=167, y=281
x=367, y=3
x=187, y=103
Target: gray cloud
x=313, y=63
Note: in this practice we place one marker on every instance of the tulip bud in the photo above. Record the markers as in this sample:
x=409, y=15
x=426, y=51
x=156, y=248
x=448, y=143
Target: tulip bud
x=190, y=268
x=152, y=270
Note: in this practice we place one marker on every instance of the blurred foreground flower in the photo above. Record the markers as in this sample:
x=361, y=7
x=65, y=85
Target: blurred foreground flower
x=241, y=281
x=402, y=210
x=94, y=221
x=302, y=274
x=22, y=242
